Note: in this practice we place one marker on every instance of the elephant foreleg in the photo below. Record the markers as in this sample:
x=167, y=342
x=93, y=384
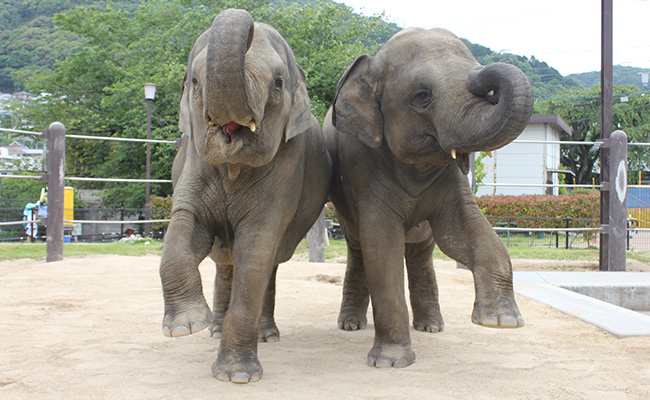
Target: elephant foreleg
x=253, y=255
x=382, y=246
x=466, y=236
x=423, y=288
x=186, y=310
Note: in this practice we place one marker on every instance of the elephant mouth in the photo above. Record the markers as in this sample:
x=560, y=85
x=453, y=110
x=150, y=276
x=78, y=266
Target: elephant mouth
x=229, y=129
x=232, y=127
x=462, y=160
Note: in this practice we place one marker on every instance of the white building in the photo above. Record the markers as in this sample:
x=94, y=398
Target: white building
x=527, y=163
x=19, y=157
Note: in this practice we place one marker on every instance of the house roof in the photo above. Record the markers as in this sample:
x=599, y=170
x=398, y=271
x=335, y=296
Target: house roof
x=554, y=120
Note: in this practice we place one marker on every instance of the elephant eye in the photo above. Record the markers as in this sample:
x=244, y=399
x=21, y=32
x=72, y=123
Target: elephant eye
x=278, y=82
x=422, y=97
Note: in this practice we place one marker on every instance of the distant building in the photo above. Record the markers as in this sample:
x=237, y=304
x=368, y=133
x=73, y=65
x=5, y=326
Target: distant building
x=20, y=157
x=527, y=163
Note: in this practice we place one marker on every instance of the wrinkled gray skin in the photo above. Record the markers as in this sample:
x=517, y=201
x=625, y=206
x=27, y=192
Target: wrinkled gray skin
x=391, y=132
x=245, y=198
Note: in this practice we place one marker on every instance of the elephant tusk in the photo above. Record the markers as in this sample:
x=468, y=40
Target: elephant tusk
x=453, y=153
x=251, y=126
x=489, y=154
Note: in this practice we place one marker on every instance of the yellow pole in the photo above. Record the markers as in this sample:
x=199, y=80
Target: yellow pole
x=639, y=177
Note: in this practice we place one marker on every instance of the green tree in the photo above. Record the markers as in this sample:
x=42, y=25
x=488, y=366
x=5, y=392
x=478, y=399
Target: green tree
x=326, y=37
x=631, y=109
x=98, y=89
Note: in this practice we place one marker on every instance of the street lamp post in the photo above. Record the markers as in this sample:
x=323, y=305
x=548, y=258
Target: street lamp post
x=149, y=95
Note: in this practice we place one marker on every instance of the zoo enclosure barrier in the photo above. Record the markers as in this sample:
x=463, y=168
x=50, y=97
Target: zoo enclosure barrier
x=100, y=231
x=55, y=179
x=614, y=230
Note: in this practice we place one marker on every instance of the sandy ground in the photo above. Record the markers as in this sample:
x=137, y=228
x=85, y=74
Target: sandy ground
x=90, y=328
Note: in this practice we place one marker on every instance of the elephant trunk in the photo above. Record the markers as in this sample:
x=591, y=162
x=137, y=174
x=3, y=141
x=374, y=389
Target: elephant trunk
x=502, y=111
x=226, y=98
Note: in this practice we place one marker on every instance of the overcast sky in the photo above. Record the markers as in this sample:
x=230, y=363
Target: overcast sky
x=564, y=33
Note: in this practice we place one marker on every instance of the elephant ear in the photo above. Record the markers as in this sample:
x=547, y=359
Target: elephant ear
x=184, y=118
x=300, y=117
x=356, y=109
x=184, y=114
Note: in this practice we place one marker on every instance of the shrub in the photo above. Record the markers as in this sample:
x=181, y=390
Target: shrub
x=542, y=211
x=161, y=208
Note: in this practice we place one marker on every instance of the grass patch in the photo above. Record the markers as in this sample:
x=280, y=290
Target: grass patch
x=13, y=251
x=336, y=249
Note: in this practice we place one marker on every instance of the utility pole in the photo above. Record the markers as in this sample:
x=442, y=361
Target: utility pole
x=613, y=159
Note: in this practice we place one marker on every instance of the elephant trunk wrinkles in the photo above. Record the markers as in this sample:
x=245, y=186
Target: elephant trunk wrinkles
x=226, y=96
x=492, y=126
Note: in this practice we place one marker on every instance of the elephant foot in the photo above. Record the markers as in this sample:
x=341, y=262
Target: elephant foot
x=351, y=321
x=237, y=368
x=215, y=329
x=500, y=312
x=393, y=355
x=189, y=320
x=269, y=332
x=431, y=324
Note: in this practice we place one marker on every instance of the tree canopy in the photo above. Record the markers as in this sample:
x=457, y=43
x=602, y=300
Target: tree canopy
x=97, y=90
x=89, y=63
x=631, y=109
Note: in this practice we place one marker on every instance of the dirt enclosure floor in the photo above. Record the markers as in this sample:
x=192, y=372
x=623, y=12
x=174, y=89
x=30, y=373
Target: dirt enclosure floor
x=90, y=328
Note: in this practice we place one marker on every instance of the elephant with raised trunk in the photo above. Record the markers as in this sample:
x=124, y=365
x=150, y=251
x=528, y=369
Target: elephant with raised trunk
x=250, y=181
x=400, y=133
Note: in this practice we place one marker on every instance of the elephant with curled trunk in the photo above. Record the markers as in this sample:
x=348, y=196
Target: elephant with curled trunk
x=250, y=180
x=400, y=133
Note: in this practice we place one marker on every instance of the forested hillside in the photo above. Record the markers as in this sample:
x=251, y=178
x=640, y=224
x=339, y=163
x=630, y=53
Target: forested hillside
x=622, y=76
x=88, y=66
x=30, y=41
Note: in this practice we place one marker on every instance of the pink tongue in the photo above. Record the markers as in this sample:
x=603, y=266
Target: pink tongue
x=231, y=127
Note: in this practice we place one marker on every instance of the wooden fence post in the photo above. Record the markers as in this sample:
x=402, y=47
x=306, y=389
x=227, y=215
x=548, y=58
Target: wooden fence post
x=316, y=239
x=614, y=226
x=55, y=181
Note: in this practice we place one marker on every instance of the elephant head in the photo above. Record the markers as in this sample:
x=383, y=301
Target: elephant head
x=243, y=93
x=438, y=103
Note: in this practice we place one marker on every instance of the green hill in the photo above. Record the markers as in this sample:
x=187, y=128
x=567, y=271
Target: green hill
x=622, y=76
x=30, y=42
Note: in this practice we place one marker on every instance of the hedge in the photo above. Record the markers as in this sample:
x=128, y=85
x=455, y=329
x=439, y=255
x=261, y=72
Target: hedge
x=528, y=211
x=542, y=211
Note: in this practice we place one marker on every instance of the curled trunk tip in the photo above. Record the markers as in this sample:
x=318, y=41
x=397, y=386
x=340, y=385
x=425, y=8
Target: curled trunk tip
x=508, y=104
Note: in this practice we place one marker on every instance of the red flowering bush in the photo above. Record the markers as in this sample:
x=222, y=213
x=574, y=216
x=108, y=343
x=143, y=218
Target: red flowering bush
x=542, y=211
x=161, y=208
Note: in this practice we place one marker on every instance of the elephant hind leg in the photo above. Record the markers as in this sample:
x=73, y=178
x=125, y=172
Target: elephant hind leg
x=354, y=305
x=221, y=299
x=269, y=331
x=423, y=287
x=222, y=293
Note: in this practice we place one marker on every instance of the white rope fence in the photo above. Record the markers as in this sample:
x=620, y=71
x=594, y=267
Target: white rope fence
x=72, y=178
x=125, y=222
